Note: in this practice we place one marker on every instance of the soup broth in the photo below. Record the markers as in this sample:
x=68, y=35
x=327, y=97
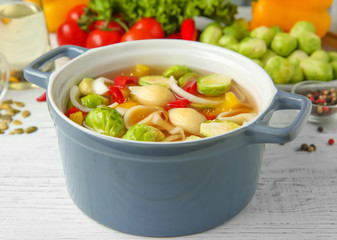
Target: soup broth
x=160, y=103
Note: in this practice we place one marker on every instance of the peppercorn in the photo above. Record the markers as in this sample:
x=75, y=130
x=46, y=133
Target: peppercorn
x=320, y=129
x=331, y=141
x=313, y=146
x=304, y=147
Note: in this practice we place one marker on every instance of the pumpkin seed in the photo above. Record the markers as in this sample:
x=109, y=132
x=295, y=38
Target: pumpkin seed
x=19, y=104
x=18, y=130
x=25, y=114
x=11, y=133
x=3, y=125
x=30, y=129
x=5, y=106
x=6, y=118
x=10, y=112
x=8, y=101
x=17, y=122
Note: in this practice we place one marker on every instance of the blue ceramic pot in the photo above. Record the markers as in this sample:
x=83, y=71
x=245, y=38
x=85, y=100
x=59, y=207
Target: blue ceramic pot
x=164, y=189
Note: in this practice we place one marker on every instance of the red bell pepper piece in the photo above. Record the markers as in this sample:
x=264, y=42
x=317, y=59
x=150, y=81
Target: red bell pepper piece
x=121, y=81
x=73, y=109
x=188, y=30
x=180, y=103
x=42, y=98
x=191, y=87
x=116, y=94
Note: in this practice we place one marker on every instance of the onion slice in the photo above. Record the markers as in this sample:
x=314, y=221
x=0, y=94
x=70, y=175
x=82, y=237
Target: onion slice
x=74, y=94
x=190, y=97
x=99, y=85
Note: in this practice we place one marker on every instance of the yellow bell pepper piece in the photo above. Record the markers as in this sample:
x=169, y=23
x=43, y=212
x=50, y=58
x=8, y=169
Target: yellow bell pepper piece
x=77, y=117
x=141, y=70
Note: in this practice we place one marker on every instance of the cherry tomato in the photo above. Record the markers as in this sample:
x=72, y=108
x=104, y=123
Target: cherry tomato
x=70, y=33
x=112, y=26
x=136, y=34
x=188, y=30
x=76, y=12
x=149, y=25
x=174, y=36
x=98, y=38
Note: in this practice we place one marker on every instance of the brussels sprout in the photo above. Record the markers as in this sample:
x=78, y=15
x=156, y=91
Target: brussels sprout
x=106, y=121
x=229, y=42
x=297, y=55
x=187, y=78
x=302, y=26
x=176, y=71
x=283, y=44
x=86, y=86
x=320, y=55
x=276, y=29
x=216, y=127
x=145, y=133
x=192, y=137
x=211, y=34
x=258, y=61
x=93, y=100
x=213, y=84
x=263, y=33
x=334, y=67
x=268, y=55
x=332, y=55
x=279, y=69
x=308, y=42
x=252, y=47
x=154, y=80
x=298, y=75
x=316, y=69
x=239, y=29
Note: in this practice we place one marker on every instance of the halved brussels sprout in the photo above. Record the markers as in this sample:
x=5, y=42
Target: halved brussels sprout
x=213, y=84
x=252, y=47
x=86, y=86
x=146, y=133
x=106, y=121
x=283, y=44
x=176, y=71
x=317, y=70
x=187, y=78
x=93, y=100
x=217, y=127
x=154, y=80
x=211, y=33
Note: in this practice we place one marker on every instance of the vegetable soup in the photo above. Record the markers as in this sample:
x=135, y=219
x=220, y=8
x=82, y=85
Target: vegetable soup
x=158, y=104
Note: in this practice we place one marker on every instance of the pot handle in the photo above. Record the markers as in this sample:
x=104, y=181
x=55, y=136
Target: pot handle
x=40, y=78
x=261, y=133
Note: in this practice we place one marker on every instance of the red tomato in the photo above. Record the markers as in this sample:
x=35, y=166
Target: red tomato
x=136, y=34
x=149, y=25
x=76, y=12
x=174, y=36
x=188, y=30
x=70, y=33
x=98, y=38
x=112, y=26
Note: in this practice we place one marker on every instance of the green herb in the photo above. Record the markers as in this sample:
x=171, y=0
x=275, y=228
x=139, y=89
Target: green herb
x=170, y=13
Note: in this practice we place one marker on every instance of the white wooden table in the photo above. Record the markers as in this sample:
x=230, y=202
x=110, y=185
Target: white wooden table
x=296, y=196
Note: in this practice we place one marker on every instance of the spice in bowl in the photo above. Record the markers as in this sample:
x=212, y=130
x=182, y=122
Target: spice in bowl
x=323, y=96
